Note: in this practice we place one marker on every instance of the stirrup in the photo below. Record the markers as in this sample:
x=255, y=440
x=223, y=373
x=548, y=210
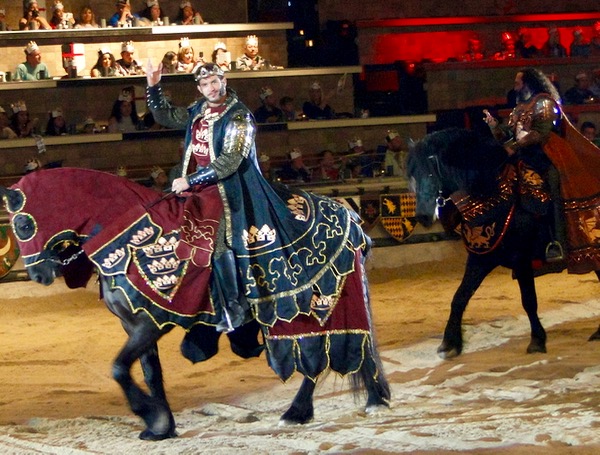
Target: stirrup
x=554, y=252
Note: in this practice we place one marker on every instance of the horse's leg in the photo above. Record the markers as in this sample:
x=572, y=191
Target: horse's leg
x=525, y=278
x=152, y=371
x=378, y=389
x=141, y=344
x=475, y=271
x=301, y=411
x=154, y=410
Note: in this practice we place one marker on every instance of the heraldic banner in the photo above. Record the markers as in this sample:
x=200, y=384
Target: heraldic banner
x=398, y=214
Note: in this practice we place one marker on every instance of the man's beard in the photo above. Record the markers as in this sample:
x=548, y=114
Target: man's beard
x=524, y=95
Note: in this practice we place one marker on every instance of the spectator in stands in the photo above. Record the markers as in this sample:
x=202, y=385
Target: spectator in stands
x=56, y=126
x=3, y=25
x=21, y=122
x=151, y=15
x=595, y=85
x=357, y=154
x=507, y=41
x=106, y=65
x=580, y=93
x=264, y=162
x=295, y=171
x=589, y=131
x=394, y=162
x=328, y=168
x=188, y=15
x=595, y=41
x=123, y=16
x=474, y=51
x=524, y=45
x=127, y=65
x=268, y=112
x=89, y=126
x=60, y=18
x=221, y=56
x=32, y=68
x=123, y=117
x=159, y=180
x=580, y=46
x=287, y=106
x=185, y=56
x=6, y=131
x=552, y=47
x=316, y=107
x=32, y=18
x=250, y=60
x=169, y=63
x=87, y=18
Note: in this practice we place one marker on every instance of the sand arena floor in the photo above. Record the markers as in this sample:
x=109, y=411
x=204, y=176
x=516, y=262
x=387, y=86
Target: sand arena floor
x=57, y=395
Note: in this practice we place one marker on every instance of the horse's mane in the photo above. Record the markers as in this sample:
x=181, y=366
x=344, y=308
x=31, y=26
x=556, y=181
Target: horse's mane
x=472, y=160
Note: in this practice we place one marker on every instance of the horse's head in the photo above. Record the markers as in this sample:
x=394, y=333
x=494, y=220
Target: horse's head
x=45, y=255
x=452, y=160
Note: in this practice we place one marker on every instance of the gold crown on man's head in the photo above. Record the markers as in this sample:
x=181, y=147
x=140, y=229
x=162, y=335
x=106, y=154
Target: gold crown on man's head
x=251, y=40
x=207, y=70
x=31, y=47
x=184, y=42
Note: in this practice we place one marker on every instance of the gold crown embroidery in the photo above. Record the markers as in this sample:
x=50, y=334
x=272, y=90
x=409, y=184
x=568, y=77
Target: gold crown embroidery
x=113, y=258
x=142, y=236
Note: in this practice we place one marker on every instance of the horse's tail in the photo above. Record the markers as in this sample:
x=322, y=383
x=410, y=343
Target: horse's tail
x=370, y=375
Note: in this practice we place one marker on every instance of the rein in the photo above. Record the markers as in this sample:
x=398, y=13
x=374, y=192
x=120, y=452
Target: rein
x=67, y=261
x=435, y=170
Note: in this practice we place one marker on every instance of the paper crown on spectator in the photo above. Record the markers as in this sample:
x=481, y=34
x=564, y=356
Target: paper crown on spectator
x=295, y=153
x=507, y=37
x=58, y=6
x=122, y=2
x=356, y=142
x=207, y=70
x=18, y=106
x=264, y=158
x=89, y=121
x=156, y=171
x=126, y=95
x=56, y=112
x=184, y=42
x=127, y=46
x=578, y=31
x=391, y=135
x=32, y=164
x=151, y=3
x=251, y=40
x=31, y=47
x=315, y=86
x=220, y=45
x=2, y=12
x=581, y=75
x=185, y=4
x=264, y=92
x=104, y=50
x=121, y=171
x=31, y=2
x=2, y=111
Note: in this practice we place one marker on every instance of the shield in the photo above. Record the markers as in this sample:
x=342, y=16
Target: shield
x=398, y=214
x=369, y=210
x=9, y=249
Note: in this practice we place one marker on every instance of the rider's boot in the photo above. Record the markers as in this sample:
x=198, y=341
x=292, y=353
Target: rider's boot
x=226, y=277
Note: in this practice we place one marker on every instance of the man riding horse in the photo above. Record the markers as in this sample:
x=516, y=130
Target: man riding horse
x=557, y=170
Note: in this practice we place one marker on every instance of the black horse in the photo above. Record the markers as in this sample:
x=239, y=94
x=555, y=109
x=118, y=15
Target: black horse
x=459, y=167
x=55, y=213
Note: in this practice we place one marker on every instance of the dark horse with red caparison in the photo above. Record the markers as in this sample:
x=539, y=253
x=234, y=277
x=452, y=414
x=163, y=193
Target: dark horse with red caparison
x=57, y=213
x=462, y=168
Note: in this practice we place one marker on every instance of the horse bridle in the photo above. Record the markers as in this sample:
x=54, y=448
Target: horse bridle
x=435, y=170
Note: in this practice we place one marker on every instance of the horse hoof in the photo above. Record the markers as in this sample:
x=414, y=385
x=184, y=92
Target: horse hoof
x=291, y=423
x=536, y=347
x=595, y=336
x=376, y=409
x=446, y=352
x=149, y=435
